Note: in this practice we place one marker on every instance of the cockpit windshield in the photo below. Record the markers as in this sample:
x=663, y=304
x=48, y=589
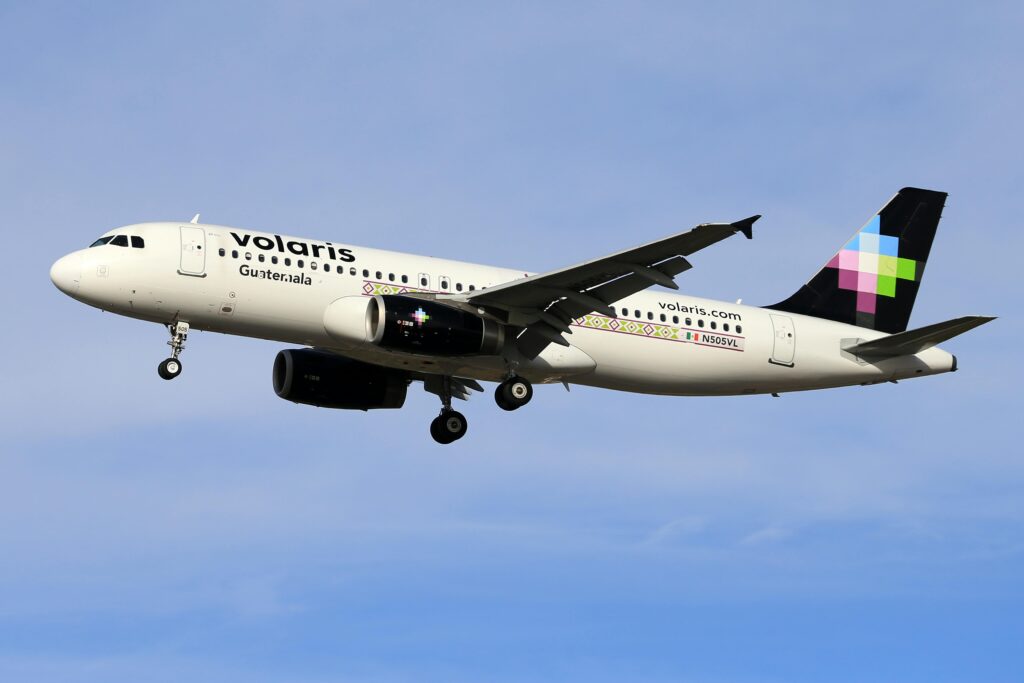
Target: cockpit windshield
x=120, y=241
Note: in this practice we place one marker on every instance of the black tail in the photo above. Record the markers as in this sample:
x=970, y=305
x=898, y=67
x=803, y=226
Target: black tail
x=873, y=280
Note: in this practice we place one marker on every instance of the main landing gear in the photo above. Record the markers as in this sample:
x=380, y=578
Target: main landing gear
x=515, y=392
x=171, y=367
x=450, y=425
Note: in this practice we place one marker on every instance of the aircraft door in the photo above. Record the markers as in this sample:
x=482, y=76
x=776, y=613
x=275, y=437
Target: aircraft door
x=784, y=345
x=193, y=251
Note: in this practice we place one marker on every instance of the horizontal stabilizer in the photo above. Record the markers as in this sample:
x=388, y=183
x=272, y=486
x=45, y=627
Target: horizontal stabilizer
x=915, y=341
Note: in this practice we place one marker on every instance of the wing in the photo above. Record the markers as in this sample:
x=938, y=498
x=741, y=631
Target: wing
x=544, y=305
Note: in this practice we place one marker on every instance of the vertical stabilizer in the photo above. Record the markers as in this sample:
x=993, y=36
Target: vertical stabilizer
x=873, y=281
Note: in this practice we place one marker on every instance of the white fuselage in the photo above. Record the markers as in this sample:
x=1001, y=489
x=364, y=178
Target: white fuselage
x=237, y=282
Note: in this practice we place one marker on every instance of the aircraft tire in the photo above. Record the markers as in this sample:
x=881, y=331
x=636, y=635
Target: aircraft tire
x=449, y=426
x=169, y=368
x=513, y=393
x=499, y=398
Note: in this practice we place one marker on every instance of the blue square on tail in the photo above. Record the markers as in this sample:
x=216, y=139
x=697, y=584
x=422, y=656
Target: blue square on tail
x=888, y=246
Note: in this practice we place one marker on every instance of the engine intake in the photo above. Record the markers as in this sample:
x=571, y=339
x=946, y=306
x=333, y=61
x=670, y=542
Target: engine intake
x=327, y=380
x=401, y=323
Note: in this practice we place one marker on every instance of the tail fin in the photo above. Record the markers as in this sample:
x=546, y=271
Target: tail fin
x=873, y=280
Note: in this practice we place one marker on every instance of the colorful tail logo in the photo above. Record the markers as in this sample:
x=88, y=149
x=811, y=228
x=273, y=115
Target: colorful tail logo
x=870, y=265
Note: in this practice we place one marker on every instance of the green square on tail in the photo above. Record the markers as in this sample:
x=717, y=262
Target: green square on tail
x=886, y=286
x=906, y=268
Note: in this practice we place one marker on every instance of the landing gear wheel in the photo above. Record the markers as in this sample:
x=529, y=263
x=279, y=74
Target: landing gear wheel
x=513, y=393
x=170, y=368
x=449, y=426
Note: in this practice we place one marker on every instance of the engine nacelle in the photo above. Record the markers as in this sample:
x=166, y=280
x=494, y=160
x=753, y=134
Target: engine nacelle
x=326, y=380
x=401, y=323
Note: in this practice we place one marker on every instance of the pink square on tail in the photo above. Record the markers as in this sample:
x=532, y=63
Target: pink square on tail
x=867, y=282
x=850, y=260
x=848, y=279
x=834, y=263
x=866, y=302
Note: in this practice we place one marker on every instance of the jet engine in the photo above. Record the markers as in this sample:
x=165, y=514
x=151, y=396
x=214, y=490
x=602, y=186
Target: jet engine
x=327, y=380
x=402, y=323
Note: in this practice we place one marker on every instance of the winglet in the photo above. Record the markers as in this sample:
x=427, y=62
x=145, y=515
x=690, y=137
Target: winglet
x=195, y=219
x=746, y=226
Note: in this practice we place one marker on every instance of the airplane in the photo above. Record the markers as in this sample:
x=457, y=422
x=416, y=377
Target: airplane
x=370, y=322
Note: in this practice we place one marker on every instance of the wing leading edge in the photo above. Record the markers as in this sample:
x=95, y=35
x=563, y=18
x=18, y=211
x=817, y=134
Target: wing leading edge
x=545, y=305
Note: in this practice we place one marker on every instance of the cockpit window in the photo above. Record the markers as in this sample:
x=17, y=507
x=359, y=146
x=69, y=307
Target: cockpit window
x=101, y=241
x=120, y=241
x=138, y=242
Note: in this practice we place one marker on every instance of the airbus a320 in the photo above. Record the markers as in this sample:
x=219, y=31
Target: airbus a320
x=369, y=322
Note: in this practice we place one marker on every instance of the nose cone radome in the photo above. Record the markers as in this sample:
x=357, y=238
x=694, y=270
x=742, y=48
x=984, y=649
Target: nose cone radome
x=66, y=273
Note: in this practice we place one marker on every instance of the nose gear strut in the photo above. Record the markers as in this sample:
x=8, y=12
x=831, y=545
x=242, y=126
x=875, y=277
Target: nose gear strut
x=171, y=367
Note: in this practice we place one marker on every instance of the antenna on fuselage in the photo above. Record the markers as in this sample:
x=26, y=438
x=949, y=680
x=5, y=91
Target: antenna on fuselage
x=195, y=219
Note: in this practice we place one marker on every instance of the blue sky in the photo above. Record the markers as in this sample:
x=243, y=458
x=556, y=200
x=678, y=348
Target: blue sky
x=204, y=529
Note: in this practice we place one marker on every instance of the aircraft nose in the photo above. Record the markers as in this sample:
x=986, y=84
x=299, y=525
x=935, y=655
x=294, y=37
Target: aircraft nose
x=66, y=273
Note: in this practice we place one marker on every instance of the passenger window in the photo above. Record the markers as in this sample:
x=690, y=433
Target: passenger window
x=444, y=283
x=675, y=320
x=625, y=312
x=287, y=261
x=221, y=251
x=137, y=242
x=700, y=323
x=234, y=253
x=378, y=275
x=725, y=326
x=423, y=281
x=101, y=241
x=405, y=279
x=391, y=277
x=650, y=316
x=273, y=259
x=300, y=263
x=662, y=317
x=120, y=241
x=458, y=286
x=689, y=322
x=366, y=273
x=248, y=256
x=636, y=314
x=714, y=325
x=739, y=329
x=312, y=264
x=341, y=270
x=472, y=288
x=261, y=258
x=352, y=272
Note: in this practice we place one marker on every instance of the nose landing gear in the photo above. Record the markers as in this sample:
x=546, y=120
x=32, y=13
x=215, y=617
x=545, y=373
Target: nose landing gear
x=171, y=367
